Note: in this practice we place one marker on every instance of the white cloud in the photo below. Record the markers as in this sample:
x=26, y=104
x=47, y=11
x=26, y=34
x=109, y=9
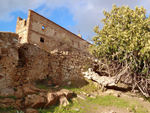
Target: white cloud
x=87, y=13
x=9, y=6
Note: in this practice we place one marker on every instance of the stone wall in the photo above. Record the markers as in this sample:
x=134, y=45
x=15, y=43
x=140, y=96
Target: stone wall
x=65, y=66
x=8, y=58
x=40, y=64
x=27, y=63
x=48, y=35
x=22, y=29
x=33, y=61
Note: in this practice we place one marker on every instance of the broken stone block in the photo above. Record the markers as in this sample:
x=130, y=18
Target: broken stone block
x=7, y=101
x=7, y=92
x=28, y=91
x=81, y=96
x=52, y=99
x=68, y=94
x=63, y=101
x=93, y=95
x=59, y=93
x=35, y=101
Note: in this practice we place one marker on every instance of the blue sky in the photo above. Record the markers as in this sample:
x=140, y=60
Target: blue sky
x=73, y=15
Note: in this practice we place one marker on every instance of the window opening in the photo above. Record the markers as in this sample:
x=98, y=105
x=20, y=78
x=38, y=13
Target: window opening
x=25, y=22
x=43, y=27
x=42, y=39
x=20, y=39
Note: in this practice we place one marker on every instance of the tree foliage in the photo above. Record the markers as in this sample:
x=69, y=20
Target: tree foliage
x=124, y=43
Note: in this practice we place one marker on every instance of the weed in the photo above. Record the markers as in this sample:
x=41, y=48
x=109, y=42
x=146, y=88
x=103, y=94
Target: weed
x=110, y=100
x=15, y=89
x=87, y=66
x=19, y=111
x=1, y=97
x=13, y=97
x=8, y=109
x=42, y=87
x=23, y=98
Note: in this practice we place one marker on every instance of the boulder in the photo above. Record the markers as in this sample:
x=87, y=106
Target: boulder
x=7, y=92
x=52, y=99
x=63, y=101
x=35, y=101
x=68, y=94
x=28, y=91
x=81, y=96
x=93, y=94
x=30, y=110
x=60, y=93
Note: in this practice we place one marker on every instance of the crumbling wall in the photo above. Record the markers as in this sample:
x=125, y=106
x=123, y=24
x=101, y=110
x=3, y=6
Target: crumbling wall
x=8, y=58
x=66, y=66
x=40, y=64
x=22, y=29
x=29, y=63
x=33, y=63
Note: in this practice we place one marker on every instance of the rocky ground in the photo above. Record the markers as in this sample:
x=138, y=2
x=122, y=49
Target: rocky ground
x=47, y=97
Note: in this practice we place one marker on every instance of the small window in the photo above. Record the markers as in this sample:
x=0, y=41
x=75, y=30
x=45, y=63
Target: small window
x=20, y=39
x=42, y=39
x=25, y=22
x=43, y=27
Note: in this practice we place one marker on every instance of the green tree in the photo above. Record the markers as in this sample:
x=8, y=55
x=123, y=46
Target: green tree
x=124, y=44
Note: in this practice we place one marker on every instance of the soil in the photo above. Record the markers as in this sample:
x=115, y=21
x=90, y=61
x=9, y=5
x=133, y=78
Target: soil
x=128, y=96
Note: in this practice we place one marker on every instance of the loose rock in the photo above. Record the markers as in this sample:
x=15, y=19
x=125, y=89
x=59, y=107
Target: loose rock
x=63, y=101
x=68, y=94
x=52, y=99
x=81, y=96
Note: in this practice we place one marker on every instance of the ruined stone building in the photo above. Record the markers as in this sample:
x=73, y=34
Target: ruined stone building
x=48, y=35
x=27, y=61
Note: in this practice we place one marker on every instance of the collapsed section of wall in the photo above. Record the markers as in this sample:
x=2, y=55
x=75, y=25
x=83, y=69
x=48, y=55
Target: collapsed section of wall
x=8, y=58
x=33, y=64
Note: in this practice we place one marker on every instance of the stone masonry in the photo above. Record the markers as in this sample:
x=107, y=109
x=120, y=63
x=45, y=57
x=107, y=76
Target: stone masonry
x=48, y=35
x=28, y=63
x=8, y=58
x=61, y=66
